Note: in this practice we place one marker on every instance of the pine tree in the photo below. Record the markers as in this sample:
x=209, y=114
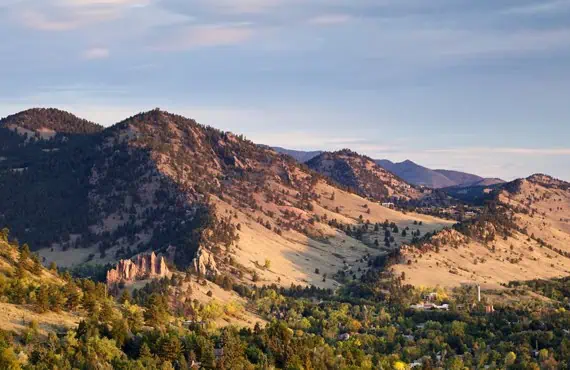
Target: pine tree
x=42, y=299
x=125, y=297
x=144, y=352
x=156, y=314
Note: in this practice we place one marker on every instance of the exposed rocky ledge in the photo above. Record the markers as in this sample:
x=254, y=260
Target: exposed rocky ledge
x=204, y=263
x=142, y=266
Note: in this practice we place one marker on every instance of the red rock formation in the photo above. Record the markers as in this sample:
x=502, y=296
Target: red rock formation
x=143, y=266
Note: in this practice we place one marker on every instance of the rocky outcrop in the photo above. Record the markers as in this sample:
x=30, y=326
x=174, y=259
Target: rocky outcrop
x=204, y=263
x=142, y=266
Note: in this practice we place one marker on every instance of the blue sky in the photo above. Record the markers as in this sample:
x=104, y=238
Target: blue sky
x=480, y=86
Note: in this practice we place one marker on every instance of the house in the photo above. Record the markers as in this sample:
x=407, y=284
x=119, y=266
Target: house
x=189, y=323
x=431, y=297
x=430, y=306
x=344, y=337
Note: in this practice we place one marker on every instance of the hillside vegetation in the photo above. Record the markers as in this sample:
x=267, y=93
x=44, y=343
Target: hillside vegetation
x=68, y=324
x=523, y=233
x=208, y=200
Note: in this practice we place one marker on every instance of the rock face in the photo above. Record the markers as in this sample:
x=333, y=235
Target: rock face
x=142, y=266
x=204, y=263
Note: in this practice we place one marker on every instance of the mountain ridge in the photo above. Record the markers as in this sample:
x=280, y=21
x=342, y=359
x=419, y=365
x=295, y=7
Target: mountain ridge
x=410, y=171
x=235, y=211
x=523, y=231
x=437, y=179
x=207, y=199
x=50, y=119
x=363, y=175
x=299, y=155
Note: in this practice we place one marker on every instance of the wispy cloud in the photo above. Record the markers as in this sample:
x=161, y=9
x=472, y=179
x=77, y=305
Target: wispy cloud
x=85, y=3
x=306, y=140
x=330, y=19
x=517, y=151
x=96, y=53
x=65, y=15
x=226, y=7
x=190, y=37
x=540, y=8
x=38, y=21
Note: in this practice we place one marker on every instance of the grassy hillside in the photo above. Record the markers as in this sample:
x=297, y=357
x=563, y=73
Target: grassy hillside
x=206, y=199
x=525, y=233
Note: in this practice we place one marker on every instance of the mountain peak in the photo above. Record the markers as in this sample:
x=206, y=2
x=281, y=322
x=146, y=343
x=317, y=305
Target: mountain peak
x=363, y=175
x=548, y=181
x=52, y=120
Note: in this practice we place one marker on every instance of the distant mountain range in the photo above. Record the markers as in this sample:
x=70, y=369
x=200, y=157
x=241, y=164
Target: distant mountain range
x=411, y=172
x=299, y=155
x=419, y=175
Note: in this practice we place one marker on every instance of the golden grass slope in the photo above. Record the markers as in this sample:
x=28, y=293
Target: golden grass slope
x=17, y=317
x=294, y=258
x=541, y=209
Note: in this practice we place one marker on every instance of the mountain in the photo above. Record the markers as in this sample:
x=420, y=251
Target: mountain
x=45, y=122
x=489, y=181
x=522, y=233
x=416, y=174
x=460, y=178
x=410, y=172
x=235, y=211
x=436, y=179
x=205, y=199
x=362, y=175
x=299, y=155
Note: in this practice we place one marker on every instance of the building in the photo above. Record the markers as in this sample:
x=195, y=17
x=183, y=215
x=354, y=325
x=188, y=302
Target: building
x=429, y=307
x=344, y=337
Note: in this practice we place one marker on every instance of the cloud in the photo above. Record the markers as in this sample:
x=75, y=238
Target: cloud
x=242, y=6
x=517, y=151
x=96, y=53
x=86, y=3
x=330, y=19
x=225, y=7
x=540, y=8
x=65, y=15
x=191, y=37
x=307, y=140
x=38, y=21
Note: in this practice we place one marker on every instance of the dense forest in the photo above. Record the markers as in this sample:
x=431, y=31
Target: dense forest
x=366, y=325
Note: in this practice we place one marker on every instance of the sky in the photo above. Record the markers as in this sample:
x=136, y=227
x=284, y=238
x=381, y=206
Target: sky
x=479, y=86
